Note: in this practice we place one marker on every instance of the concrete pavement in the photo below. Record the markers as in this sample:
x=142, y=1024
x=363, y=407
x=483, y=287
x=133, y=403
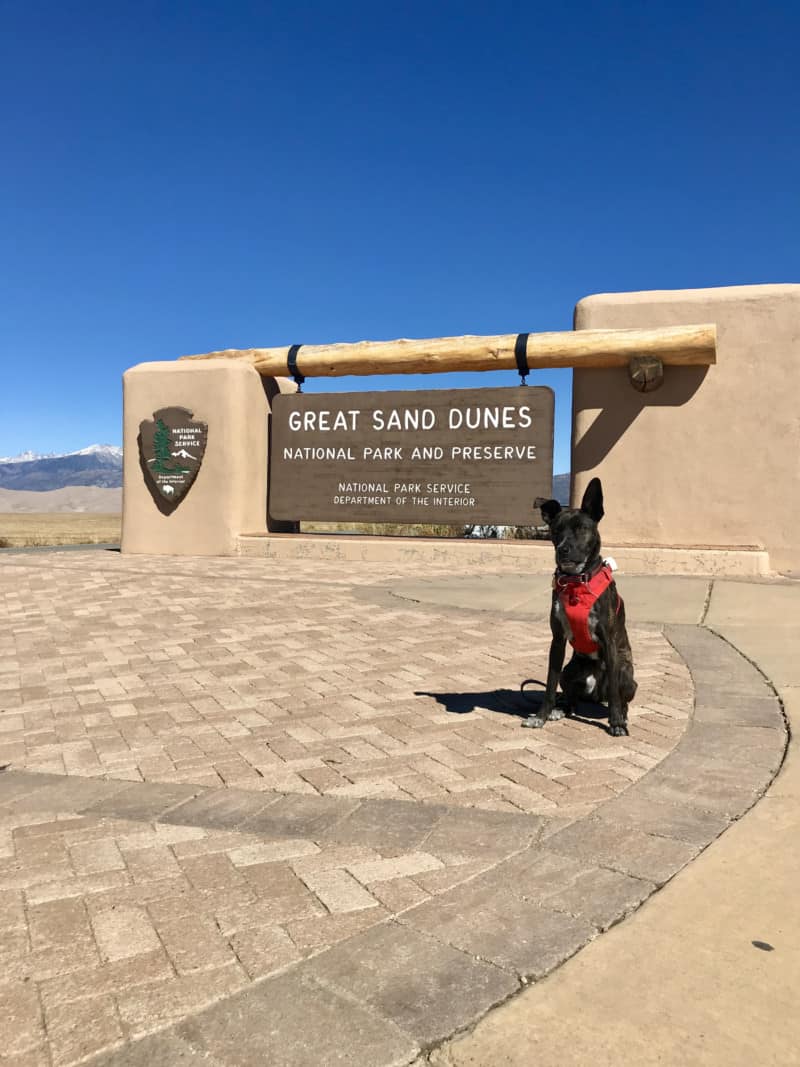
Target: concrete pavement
x=707, y=971
x=255, y=816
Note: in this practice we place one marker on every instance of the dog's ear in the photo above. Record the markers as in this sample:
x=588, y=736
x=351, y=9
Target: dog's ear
x=549, y=508
x=592, y=503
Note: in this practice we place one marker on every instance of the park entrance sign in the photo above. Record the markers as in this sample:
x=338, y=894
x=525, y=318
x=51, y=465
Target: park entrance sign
x=171, y=449
x=438, y=456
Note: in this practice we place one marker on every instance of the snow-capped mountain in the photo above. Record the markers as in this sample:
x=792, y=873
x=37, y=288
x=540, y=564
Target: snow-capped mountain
x=95, y=465
x=90, y=450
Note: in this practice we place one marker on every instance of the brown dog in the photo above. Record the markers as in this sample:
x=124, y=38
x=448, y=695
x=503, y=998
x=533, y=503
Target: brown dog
x=588, y=612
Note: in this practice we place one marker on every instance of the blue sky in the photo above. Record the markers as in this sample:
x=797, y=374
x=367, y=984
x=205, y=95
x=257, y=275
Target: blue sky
x=180, y=177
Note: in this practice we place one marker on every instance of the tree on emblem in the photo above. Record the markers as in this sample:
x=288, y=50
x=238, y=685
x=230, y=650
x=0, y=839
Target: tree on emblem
x=162, y=446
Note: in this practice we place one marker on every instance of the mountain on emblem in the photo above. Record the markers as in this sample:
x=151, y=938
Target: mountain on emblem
x=171, y=449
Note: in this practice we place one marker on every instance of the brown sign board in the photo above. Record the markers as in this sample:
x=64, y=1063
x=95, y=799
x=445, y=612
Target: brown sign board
x=433, y=456
x=171, y=448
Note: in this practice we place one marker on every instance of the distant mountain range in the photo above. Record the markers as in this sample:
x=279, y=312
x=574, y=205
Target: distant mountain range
x=561, y=488
x=99, y=465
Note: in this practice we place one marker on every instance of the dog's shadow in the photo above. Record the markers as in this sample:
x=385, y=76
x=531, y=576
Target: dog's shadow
x=514, y=702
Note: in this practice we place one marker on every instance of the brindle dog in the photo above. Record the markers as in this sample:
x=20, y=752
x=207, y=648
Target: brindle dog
x=607, y=674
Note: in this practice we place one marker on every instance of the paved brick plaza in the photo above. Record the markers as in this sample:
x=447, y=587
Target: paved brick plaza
x=264, y=762
x=244, y=674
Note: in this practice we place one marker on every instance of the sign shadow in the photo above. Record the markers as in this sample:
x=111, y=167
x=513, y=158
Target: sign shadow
x=620, y=405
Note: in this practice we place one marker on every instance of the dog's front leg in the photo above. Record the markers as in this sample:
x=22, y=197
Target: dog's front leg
x=548, y=709
x=617, y=707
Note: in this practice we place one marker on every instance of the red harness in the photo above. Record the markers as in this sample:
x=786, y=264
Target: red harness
x=577, y=593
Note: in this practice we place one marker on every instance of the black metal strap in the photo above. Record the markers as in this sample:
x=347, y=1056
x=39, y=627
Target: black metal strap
x=521, y=356
x=291, y=363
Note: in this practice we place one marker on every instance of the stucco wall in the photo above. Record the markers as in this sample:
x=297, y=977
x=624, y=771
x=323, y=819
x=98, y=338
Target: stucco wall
x=713, y=457
x=229, y=495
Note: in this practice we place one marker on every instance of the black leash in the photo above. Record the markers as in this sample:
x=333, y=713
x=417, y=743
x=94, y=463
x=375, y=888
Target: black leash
x=530, y=681
x=537, y=681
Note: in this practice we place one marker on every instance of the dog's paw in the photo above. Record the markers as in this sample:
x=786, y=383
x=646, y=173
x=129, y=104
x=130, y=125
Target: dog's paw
x=533, y=722
x=556, y=714
x=621, y=730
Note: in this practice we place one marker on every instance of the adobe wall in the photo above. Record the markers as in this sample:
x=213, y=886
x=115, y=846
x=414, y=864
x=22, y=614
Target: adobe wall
x=712, y=458
x=228, y=497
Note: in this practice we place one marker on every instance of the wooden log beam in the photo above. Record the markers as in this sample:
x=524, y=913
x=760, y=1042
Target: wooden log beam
x=675, y=346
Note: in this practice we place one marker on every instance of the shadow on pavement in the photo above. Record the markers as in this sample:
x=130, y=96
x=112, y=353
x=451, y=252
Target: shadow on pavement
x=512, y=702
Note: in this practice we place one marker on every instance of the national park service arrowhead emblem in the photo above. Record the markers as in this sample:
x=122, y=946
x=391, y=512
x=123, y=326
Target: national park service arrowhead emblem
x=171, y=449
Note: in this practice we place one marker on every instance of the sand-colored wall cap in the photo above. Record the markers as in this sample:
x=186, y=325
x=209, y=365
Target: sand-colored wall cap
x=710, y=459
x=229, y=493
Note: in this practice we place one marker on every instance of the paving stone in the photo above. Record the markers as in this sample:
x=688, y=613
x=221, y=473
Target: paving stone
x=61, y=886
x=339, y=891
x=753, y=746
x=321, y=930
x=332, y=857
x=221, y=809
x=269, y=911
x=300, y=816
x=112, y=977
x=737, y=709
x=271, y=879
x=123, y=932
x=41, y=850
x=148, y=1007
x=535, y=874
x=427, y=988
x=600, y=896
x=405, y=866
x=465, y=835
x=35, y=1057
x=264, y=950
x=623, y=849
x=95, y=857
x=271, y=852
x=400, y=893
x=386, y=824
x=160, y=834
x=446, y=877
x=498, y=925
x=158, y=1050
x=52, y=962
x=155, y=864
x=713, y=786
x=12, y=910
x=81, y=1028
x=194, y=943
x=291, y=1021
x=678, y=820
x=16, y=785
x=66, y=794
x=23, y=1028
x=142, y=802
x=58, y=923
x=209, y=872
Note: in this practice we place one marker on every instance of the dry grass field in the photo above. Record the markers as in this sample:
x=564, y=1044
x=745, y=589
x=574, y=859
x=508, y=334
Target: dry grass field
x=386, y=529
x=28, y=530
